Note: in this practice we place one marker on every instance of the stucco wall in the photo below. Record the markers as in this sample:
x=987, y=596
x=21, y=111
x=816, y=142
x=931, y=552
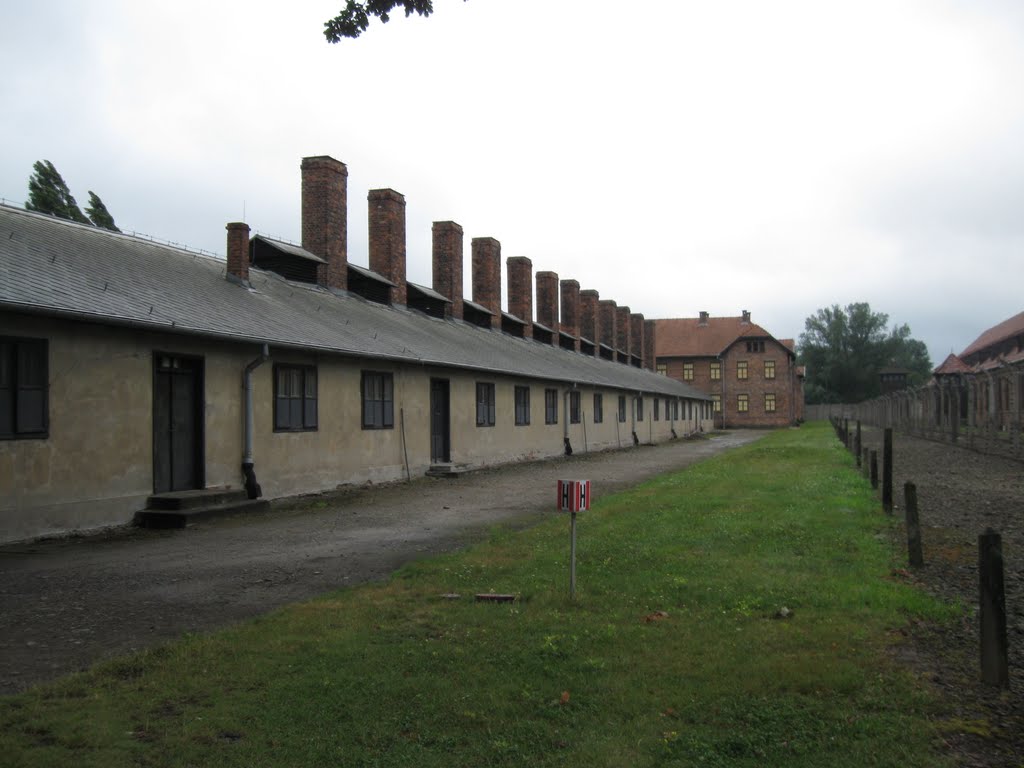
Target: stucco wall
x=96, y=466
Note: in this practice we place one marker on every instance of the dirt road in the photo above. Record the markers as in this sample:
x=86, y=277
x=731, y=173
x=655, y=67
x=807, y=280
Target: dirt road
x=67, y=603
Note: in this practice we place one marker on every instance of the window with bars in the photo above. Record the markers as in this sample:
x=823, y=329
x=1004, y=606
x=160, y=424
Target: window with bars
x=378, y=400
x=522, y=395
x=24, y=388
x=574, y=408
x=598, y=408
x=550, y=406
x=657, y=409
x=622, y=409
x=485, y=404
x=295, y=398
x=640, y=409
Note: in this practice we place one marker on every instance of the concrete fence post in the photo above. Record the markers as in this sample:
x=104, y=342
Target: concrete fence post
x=874, y=469
x=887, y=471
x=914, y=554
x=992, y=604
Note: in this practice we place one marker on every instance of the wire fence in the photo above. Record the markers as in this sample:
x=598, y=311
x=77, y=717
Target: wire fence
x=979, y=411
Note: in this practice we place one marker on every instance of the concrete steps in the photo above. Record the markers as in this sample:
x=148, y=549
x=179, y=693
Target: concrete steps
x=179, y=508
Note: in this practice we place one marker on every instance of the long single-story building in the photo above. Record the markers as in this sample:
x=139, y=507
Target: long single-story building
x=129, y=368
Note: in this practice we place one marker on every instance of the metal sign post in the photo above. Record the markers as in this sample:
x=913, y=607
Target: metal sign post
x=573, y=497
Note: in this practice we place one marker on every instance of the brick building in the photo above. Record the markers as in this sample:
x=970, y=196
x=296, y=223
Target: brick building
x=751, y=376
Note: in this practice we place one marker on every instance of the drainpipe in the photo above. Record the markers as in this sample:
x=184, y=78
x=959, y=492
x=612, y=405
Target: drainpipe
x=252, y=488
x=636, y=440
x=721, y=368
x=565, y=422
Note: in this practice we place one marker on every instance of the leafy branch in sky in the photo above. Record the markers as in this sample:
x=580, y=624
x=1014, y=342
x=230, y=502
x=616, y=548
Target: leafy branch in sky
x=355, y=16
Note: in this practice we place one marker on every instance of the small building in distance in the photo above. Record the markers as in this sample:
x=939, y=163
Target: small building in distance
x=751, y=376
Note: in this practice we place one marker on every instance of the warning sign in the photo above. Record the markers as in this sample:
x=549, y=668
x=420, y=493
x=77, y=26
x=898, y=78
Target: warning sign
x=573, y=495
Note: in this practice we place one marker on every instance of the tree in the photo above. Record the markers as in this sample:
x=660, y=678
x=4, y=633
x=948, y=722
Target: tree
x=845, y=349
x=47, y=193
x=355, y=17
x=98, y=213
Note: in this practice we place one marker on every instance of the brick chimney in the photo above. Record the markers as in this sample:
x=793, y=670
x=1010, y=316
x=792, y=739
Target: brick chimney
x=609, y=316
x=570, y=320
x=324, y=217
x=590, y=320
x=746, y=316
x=487, y=276
x=520, y=291
x=238, y=251
x=386, y=215
x=649, y=331
x=547, y=302
x=622, y=329
x=636, y=337
x=703, y=319
x=447, y=264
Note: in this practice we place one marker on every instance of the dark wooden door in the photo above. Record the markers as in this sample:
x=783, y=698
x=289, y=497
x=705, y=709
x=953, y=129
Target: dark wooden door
x=440, y=423
x=177, y=424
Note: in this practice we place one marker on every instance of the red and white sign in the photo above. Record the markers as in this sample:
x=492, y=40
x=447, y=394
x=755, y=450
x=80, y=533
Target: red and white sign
x=573, y=495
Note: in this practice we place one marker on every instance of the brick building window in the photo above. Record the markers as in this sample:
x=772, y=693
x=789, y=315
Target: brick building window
x=662, y=369
x=522, y=406
x=378, y=400
x=741, y=370
x=550, y=406
x=622, y=409
x=717, y=401
x=574, y=407
x=716, y=371
x=742, y=403
x=769, y=369
x=687, y=371
x=24, y=388
x=484, y=404
x=295, y=396
x=755, y=346
x=769, y=402
x=598, y=408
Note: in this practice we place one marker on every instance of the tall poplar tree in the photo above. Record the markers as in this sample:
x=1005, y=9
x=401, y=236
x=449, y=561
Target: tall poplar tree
x=47, y=193
x=98, y=213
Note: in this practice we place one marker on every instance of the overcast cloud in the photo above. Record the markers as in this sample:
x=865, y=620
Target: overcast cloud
x=778, y=157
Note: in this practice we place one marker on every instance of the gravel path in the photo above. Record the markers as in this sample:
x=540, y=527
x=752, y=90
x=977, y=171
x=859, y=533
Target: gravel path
x=960, y=495
x=67, y=603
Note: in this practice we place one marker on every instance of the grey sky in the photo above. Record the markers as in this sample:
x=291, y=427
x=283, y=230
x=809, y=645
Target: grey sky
x=777, y=157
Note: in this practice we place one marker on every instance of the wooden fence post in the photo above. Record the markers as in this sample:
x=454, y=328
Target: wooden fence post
x=992, y=602
x=887, y=471
x=914, y=555
x=874, y=468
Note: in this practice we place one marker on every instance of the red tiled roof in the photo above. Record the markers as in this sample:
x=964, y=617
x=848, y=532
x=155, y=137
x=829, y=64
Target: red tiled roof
x=686, y=337
x=995, y=334
x=789, y=344
x=952, y=364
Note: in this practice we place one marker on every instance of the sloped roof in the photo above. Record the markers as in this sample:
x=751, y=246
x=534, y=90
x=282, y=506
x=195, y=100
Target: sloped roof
x=997, y=333
x=952, y=364
x=687, y=337
x=58, y=268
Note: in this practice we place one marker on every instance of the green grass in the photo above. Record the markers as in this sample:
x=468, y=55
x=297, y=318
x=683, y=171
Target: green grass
x=394, y=675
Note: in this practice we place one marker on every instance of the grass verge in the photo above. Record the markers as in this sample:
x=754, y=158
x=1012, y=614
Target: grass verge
x=674, y=653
